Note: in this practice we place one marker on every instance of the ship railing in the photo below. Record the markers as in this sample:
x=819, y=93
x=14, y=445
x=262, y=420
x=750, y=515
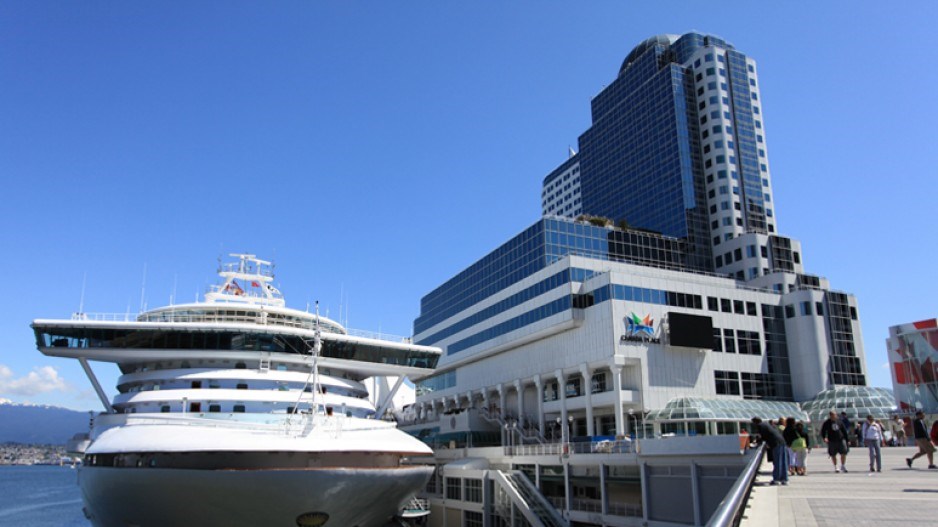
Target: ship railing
x=379, y=336
x=253, y=318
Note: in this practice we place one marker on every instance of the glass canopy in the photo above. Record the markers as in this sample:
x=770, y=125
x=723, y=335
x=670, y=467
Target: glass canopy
x=857, y=401
x=698, y=409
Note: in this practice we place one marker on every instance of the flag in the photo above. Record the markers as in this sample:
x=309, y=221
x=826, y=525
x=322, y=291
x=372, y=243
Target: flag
x=255, y=284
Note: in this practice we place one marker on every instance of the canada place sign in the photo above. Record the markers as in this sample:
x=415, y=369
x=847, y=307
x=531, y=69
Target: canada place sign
x=639, y=329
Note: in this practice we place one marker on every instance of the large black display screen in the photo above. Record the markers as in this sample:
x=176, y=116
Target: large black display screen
x=690, y=331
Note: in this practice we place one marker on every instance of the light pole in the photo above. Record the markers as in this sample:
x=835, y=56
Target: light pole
x=633, y=422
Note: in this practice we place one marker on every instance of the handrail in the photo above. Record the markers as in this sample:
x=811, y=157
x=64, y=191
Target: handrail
x=254, y=318
x=727, y=512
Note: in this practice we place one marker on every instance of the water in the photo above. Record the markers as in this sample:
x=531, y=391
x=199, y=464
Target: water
x=40, y=496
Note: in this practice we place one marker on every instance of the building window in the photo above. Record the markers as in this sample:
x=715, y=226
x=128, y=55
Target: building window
x=472, y=519
x=819, y=308
x=729, y=341
x=453, y=489
x=725, y=304
x=712, y=303
x=789, y=311
x=717, y=339
x=597, y=385
x=806, y=309
x=727, y=382
x=473, y=490
x=738, y=306
x=749, y=343
x=751, y=308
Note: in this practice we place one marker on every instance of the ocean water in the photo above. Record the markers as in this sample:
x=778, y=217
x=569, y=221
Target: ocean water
x=40, y=496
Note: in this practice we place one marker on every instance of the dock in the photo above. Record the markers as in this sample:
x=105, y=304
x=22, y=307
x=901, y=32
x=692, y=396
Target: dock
x=896, y=496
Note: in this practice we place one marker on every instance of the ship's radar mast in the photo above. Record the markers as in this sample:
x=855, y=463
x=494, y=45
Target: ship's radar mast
x=246, y=281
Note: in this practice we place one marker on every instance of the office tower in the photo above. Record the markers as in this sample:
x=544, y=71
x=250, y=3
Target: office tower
x=677, y=145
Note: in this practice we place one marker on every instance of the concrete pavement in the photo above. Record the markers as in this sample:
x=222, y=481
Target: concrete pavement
x=896, y=496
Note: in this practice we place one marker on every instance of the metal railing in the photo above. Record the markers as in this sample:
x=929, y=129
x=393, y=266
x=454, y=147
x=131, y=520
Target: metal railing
x=214, y=318
x=590, y=505
x=580, y=447
x=728, y=512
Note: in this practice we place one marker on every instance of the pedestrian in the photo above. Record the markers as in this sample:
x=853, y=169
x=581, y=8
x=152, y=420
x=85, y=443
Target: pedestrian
x=835, y=436
x=873, y=439
x=779, y=453
x=800, y=447
x=790, y=435
x=925, y=448
x=900, y=431
x=848, y=427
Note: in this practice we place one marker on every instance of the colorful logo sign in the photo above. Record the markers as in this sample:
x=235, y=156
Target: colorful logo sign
x=639, y=329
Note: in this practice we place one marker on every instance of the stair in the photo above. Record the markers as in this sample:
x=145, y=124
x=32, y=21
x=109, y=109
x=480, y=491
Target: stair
x=523, y=495
x=530, y=436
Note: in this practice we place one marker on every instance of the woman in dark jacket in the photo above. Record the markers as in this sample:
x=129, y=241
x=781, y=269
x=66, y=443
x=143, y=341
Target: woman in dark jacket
x=790, y=434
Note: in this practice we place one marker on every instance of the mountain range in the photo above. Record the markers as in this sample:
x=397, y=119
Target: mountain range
x=39, y=424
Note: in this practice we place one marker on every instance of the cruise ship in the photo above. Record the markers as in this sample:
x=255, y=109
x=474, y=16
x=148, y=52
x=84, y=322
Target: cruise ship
x=240, y=411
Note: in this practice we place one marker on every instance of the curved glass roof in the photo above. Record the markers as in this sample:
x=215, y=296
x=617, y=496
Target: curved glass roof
x=857, y=401
x=698, y=409
x=664, y=39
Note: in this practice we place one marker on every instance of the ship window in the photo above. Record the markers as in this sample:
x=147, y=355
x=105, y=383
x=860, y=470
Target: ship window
x=195, y=407
x=164, y=409
x=242, y=386
x=196, y=384
x=238, y=408
x=214, y=408
x=240, y=366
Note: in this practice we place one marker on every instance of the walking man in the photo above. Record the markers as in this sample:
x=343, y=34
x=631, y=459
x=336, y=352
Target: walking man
x=925, y=448
x=834, y=434
x=774, y=440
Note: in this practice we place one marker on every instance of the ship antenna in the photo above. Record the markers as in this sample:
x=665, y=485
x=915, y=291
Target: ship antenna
x=143, y=288
x=81, y=299
x=314, y=371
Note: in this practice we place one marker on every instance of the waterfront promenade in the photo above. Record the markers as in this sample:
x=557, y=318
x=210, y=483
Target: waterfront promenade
x=895, y=496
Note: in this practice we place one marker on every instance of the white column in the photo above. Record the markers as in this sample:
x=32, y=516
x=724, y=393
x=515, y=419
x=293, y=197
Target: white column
x=540, y=403
x=485, y=401
x=501, y=401
x=587, y=385
x=562, y=387
x=617, y=386
x=603, y=495
x=520, y=390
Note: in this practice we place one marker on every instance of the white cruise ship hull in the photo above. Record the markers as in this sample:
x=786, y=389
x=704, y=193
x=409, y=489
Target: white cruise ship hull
x=283, y=497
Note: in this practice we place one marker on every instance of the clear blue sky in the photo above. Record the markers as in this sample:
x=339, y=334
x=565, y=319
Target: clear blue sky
x=375, y=149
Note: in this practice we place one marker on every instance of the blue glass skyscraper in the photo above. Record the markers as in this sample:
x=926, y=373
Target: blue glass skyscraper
x=676, y=146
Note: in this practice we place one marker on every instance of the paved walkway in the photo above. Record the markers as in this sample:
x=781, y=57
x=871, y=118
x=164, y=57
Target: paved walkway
x=896, y=496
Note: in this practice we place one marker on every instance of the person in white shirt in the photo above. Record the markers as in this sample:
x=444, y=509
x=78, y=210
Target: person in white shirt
x=873, y=439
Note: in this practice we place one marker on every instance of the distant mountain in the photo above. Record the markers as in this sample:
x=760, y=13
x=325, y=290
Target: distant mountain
x=37, y=424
